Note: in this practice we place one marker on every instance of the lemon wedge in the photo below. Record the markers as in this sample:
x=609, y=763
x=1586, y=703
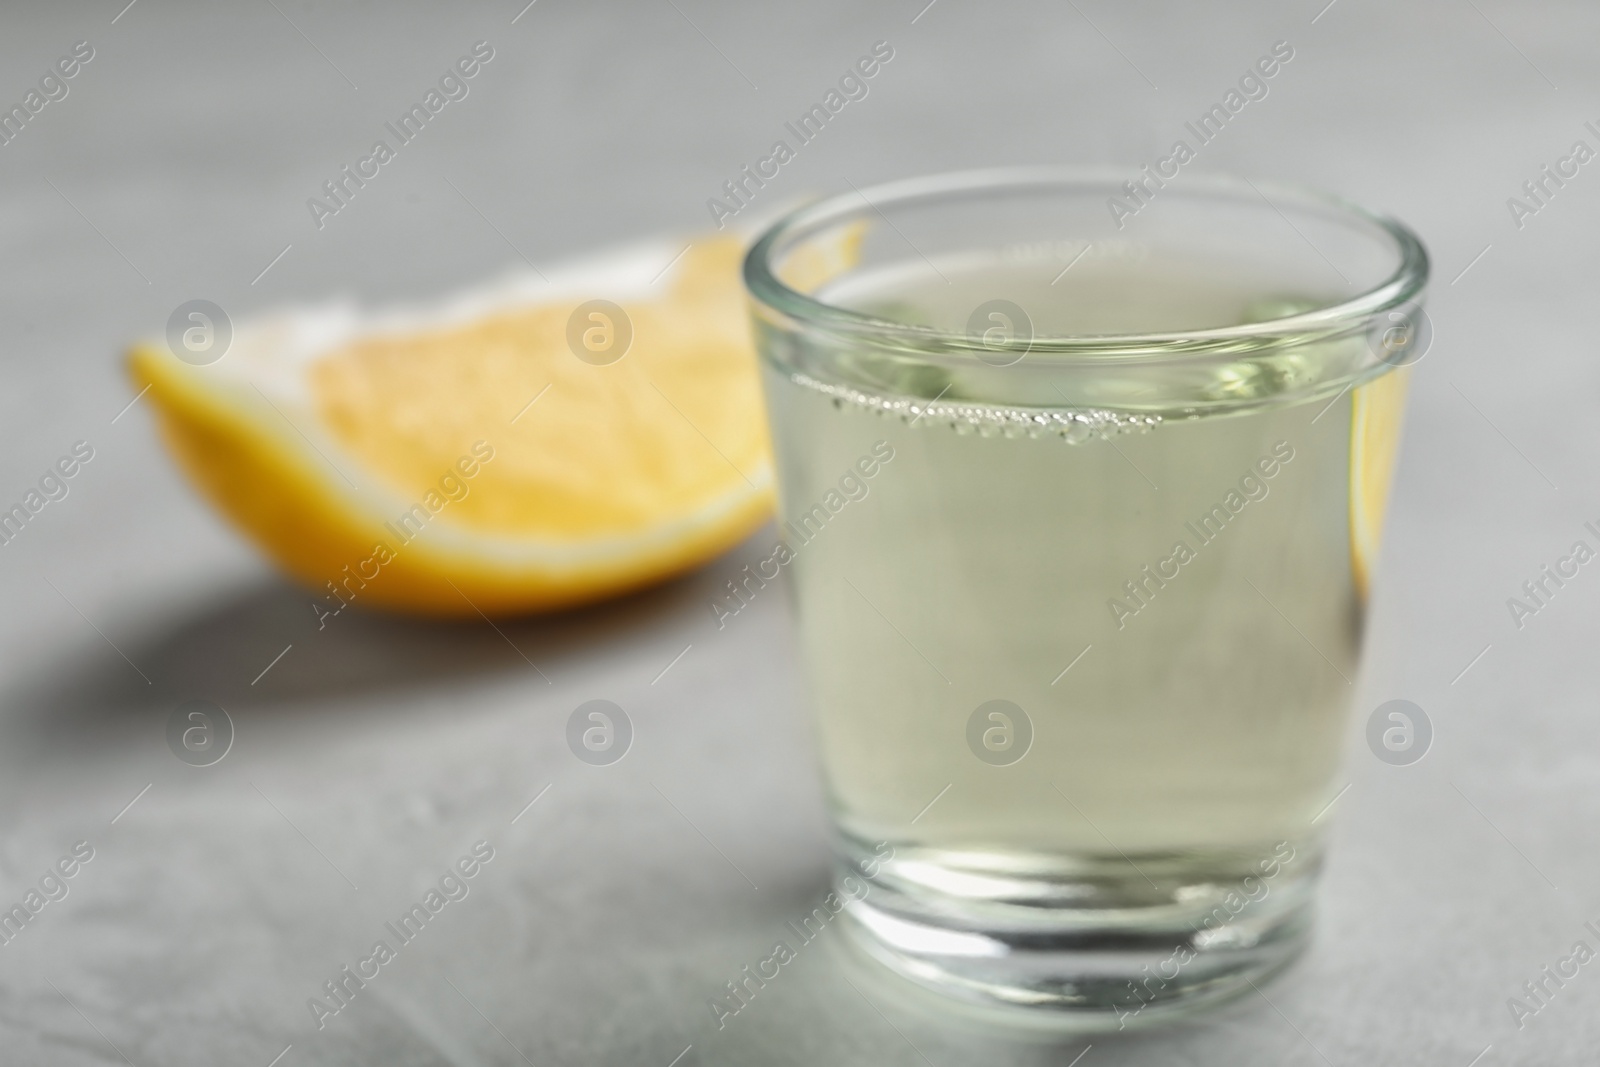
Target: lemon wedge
x=1375, y=419
x=521, y=448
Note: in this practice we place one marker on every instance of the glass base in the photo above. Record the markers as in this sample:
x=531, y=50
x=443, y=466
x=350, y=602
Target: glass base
x=1084, y=943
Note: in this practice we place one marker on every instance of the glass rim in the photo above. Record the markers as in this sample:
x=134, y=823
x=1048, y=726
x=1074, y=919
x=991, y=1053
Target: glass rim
x=1401, y=287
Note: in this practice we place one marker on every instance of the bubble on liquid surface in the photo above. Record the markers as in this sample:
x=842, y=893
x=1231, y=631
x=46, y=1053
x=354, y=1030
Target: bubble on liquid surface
x=1074, y=425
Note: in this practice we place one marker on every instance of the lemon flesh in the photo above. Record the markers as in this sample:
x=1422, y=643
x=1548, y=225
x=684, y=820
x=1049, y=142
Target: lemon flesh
x=1375, y=422
x=349, y=465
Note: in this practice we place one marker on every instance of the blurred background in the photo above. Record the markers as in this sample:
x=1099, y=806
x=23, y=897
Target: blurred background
x=373, y=755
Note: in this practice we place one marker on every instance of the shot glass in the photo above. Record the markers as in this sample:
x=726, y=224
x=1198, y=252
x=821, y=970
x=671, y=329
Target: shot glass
x=1081, y=484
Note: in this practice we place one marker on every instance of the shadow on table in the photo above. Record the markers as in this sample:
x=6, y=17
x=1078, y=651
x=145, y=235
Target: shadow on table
x=264, y=648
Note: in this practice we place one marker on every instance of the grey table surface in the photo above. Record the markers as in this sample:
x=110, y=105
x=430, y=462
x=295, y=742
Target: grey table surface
x=378, y=750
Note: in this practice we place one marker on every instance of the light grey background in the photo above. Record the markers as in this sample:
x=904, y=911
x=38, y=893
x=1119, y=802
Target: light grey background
x=376, y=751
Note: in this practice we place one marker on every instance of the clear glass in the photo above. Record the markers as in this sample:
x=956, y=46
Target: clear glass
x=1081, y=483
